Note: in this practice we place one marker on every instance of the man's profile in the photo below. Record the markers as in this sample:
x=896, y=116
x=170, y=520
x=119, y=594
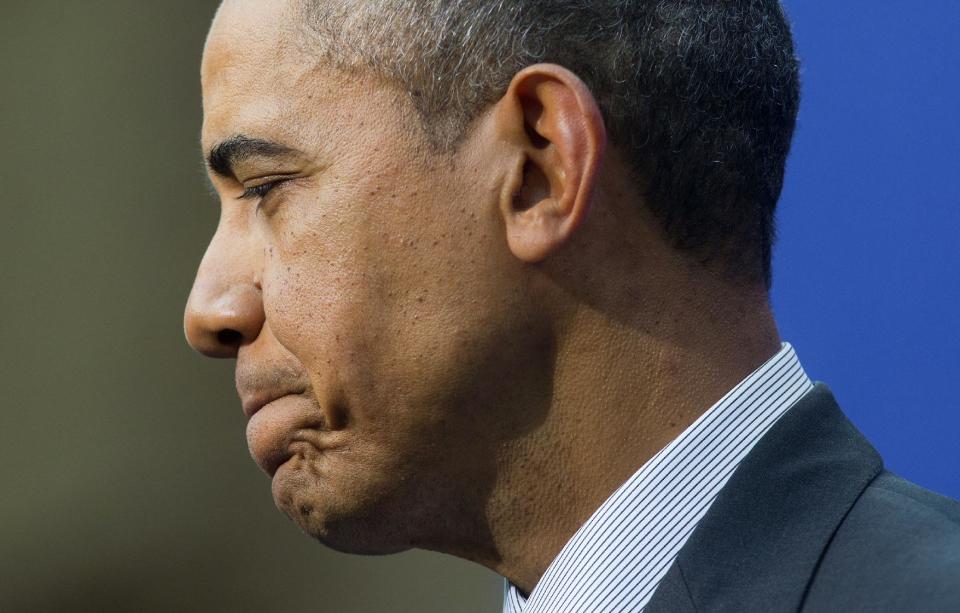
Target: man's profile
x=496, y=277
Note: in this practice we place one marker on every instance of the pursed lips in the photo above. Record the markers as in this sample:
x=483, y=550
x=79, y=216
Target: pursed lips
x=269, y=435
x=271, y=432
x=254, y=402
x=258, y=388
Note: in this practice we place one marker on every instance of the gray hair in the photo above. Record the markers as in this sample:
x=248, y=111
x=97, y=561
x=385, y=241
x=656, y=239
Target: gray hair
x=700, y=95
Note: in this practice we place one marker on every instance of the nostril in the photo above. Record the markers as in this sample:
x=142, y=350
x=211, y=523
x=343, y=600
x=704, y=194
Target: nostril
x=229, y=338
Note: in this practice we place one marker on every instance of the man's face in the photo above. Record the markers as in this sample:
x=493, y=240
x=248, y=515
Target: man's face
x=363, y=286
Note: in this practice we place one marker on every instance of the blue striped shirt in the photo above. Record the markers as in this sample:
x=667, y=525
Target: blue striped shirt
x=616, y=560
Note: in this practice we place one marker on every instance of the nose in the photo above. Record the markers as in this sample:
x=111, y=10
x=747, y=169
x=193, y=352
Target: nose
x=225, y=308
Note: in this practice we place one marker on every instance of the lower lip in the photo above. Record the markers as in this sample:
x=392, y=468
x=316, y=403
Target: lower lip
x=271, y=429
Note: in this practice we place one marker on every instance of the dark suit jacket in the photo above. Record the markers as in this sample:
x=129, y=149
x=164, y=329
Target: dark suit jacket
x=812, y=522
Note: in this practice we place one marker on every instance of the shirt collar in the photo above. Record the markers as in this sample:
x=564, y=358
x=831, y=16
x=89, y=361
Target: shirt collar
x=616, y=560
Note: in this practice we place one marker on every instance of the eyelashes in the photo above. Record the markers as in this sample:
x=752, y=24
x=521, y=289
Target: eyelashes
x=259, y=192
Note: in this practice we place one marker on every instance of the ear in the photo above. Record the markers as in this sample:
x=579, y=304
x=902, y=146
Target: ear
x=552, y=121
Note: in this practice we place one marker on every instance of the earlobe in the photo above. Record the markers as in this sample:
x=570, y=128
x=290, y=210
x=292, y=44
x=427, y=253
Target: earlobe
x=553, y=120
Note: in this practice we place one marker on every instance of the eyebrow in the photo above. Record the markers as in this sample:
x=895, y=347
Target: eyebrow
x=226, y=154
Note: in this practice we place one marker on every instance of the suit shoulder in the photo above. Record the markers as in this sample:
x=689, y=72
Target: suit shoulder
x=897, y=548
x=896, y=494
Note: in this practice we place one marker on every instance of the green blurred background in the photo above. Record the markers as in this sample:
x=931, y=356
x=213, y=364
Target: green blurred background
x=126, y=480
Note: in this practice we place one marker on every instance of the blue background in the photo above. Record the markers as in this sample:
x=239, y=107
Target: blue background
x=865, y=274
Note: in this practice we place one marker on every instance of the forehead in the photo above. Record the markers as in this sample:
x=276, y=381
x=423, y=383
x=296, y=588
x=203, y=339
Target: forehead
x=254, y=72
x=261, y=80
x=251, y=31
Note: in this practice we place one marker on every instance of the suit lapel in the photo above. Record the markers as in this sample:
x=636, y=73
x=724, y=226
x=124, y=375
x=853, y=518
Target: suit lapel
x=760, y=542
x=672, y=595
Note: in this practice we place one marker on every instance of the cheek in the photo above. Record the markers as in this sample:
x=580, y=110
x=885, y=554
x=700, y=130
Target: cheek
x=317, y=292
x=332, y=299
x=378, y=299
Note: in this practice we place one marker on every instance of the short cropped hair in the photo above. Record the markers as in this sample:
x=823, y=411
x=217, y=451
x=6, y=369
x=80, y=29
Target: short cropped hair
x=700, y=95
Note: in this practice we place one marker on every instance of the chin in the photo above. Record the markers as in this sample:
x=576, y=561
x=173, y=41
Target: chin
x=347, y=522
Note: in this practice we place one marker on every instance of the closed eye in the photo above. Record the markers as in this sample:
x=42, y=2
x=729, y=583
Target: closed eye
x=258, y=191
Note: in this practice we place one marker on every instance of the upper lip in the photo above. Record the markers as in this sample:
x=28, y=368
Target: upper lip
x=258, y=386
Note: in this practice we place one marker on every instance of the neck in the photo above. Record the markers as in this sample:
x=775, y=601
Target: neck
x=628, y=379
